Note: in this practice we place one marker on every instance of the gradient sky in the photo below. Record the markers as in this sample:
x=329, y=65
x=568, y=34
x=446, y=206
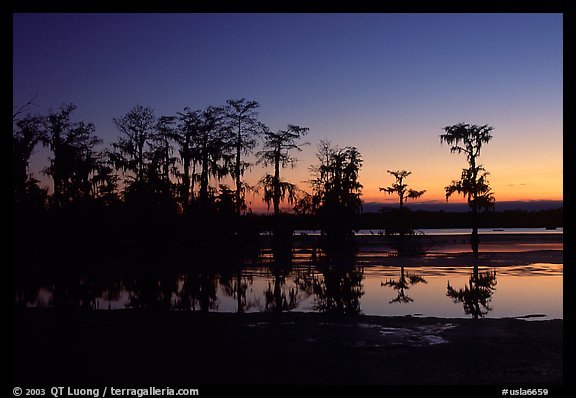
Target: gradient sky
x=385, y=83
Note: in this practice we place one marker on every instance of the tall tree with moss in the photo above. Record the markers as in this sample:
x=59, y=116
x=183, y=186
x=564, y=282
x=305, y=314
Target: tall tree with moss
x=277, y=147
x=73, y=159
x=244, y=127
x=29, y=132
x=473, y=183
x=186, y=136
x=337, y=190
x=161, y=164
x=137, y=129
x=212, y=145
x=143, y=153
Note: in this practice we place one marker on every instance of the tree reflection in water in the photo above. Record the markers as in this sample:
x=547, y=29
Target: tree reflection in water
x=337, y=286
x=277, y=299
x=402, y=284
x=196, y=291
x=475, y=296
x=236, y=285
x=151, y=291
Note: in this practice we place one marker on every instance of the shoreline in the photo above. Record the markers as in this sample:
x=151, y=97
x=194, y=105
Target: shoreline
x=494, y=254
x=282, y=348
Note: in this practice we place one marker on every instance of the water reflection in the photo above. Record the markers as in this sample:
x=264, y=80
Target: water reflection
x=196, y=292
x=279, y=284
x=335, y=282
x=402, y=284
x=278, y=297
x=477, y=294
x=335, y=289
x=236, y=285
x=151, y=291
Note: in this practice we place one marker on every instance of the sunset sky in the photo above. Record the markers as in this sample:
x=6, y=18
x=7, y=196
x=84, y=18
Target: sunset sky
x=385, y=83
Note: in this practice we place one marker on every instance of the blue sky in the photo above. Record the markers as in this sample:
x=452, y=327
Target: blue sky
x=385, y=83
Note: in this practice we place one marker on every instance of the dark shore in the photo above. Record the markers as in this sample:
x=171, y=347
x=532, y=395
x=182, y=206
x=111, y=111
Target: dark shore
x=194, y=349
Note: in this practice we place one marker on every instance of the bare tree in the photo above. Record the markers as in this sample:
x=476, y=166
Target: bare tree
x=24, y=107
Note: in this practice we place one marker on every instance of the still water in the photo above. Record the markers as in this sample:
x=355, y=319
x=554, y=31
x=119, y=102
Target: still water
x=456, y=231
x=533, y=290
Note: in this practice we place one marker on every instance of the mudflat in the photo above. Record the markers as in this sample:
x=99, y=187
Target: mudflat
x=145, y=348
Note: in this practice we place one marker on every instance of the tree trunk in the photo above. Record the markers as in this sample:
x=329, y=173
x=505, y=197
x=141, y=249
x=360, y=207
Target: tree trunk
x=276, y=194
x=57, y=172
x=204, y=176
x=237, y=171
x=140, y=161
x=277, y=293
x=474, y=237
x=185, y=192
x=192, y=182
x=167, y=160
x=239, y=291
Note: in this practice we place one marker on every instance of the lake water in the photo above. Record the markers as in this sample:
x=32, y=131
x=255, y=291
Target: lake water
x=454, y=231
x=533, y=290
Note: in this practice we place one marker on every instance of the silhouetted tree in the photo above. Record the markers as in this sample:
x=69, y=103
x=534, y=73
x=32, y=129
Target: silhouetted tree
x=104, y=181
x=212, y=146
x=137, y=128
x=162, y=148
x=337, y=189
x=473, y=183
x=476, y=295
x=186, y=136
x=305, y=204
x=243, y=121
x=225, y=201
x=73, y=159
x=402, y=284
x=29, y=132
x=276, y=152
x=400, y=188
x=161, y=164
